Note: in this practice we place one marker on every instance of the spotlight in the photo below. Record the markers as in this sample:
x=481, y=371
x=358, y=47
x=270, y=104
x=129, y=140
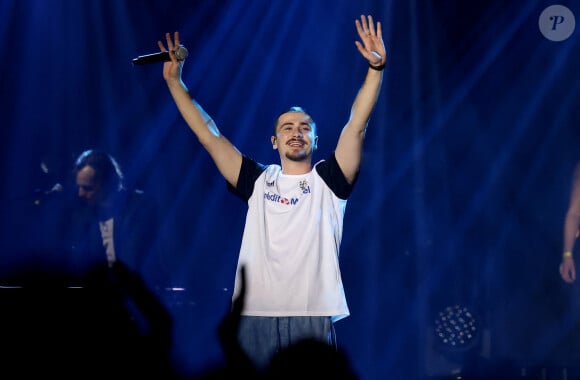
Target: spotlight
x=456, y=343
x=456, y=329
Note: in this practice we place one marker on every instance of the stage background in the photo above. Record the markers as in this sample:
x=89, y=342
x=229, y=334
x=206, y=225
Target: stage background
x=465, y=177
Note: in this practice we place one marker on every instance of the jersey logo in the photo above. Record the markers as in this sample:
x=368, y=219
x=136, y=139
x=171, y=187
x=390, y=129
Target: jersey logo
x=304, y=187
x=279, y=199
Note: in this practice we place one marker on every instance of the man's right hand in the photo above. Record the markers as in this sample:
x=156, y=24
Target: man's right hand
x=171, y=69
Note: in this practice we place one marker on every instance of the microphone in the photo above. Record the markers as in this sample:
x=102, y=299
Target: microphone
x=40, y=195
x=163, y=56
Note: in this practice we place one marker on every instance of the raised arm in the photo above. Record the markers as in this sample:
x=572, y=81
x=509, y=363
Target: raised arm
x=571, y=224
x=226, y=156
x=349, y=148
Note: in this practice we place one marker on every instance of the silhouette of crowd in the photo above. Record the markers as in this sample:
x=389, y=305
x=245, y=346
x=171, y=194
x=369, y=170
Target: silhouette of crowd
x=113, y=325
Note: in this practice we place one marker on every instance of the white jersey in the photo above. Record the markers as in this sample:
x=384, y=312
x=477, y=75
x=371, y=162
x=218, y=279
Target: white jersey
x=291, y=241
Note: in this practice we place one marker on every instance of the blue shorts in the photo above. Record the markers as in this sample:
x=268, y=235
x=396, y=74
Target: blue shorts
x=262, y=337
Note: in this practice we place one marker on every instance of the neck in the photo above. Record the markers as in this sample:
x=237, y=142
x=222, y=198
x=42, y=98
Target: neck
x=296, y=167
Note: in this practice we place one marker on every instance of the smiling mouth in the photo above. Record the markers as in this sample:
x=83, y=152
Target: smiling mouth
x=296, y=143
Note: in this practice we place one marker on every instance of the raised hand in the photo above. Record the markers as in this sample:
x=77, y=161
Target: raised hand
x=372, y=46
x=171, y=69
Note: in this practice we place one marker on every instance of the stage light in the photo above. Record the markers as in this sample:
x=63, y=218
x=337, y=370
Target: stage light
x=456, y=328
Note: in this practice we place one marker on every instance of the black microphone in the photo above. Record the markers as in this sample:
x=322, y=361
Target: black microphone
x=162, y=56
x=41, y=195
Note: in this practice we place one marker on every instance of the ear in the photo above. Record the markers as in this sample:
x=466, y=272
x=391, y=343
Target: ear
x=315, y=144
x=273, y=140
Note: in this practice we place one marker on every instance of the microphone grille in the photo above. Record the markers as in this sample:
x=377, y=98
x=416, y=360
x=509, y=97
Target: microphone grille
x=181, y=53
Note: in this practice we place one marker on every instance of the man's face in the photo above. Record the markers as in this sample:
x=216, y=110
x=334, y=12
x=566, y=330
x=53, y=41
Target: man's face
x=295, y=136
x=89, y=190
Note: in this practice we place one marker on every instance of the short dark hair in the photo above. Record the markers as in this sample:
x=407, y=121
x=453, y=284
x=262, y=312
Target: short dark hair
x=292, y=109
x=107, y=171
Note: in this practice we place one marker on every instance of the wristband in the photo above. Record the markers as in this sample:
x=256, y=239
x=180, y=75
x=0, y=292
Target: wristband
x=377, y=68
x=567, y=254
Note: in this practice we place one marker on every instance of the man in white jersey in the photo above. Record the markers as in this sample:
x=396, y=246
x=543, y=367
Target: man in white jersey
x=293, y=230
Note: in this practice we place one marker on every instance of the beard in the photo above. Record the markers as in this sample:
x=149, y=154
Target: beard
x=298, y=156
